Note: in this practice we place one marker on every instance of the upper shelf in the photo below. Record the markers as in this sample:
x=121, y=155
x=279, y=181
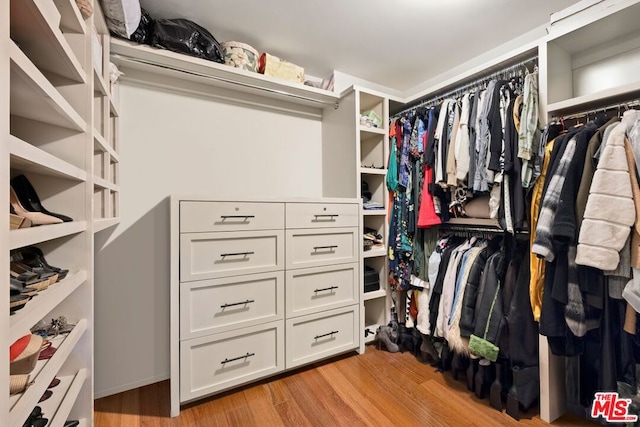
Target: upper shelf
x=595, y=100
x=28, y=158
x=43, y=41
x=32, y=93
x=164, y=62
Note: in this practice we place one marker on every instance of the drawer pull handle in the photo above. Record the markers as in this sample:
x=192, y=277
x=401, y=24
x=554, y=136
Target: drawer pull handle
x=237, y=254
x=249, y=301
x=237, y=358
x=326, y=289
x=237, y=216
x=331, y=247
x=331, y=334
x=330, y=216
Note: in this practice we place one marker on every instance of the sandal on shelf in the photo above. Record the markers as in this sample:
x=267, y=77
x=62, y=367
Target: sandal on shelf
x=19, y=384
x=36, y=419
x=17, y=288
x=16, y=302
x=71, y=423
x=54, y=382
x=34, y=257
x=54, y=328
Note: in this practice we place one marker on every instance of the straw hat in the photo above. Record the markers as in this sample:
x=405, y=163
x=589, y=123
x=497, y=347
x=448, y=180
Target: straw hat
x=18, y=383
x=23, y=354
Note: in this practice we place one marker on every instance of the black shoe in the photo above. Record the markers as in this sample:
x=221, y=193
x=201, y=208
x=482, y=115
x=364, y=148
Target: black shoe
x=29, y=198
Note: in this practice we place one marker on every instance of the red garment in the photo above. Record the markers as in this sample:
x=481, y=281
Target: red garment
x=427, y=216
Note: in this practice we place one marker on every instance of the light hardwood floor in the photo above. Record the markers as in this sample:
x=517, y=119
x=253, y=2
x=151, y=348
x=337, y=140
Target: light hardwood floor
x=377, y=389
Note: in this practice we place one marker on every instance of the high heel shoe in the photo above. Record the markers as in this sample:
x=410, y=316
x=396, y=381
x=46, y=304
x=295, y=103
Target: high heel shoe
x=29, y=198
x=36, y=218
x=16, y=221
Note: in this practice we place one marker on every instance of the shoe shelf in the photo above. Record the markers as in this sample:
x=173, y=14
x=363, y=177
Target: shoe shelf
x=65, y=394
x=381, y=293
x=28, y=158
x=34, y=97
x=102, y=145
x=45, y=371
x=115, y=111
x=33, y=235
x=45, y=301
x=43, y=41
x=71, y=19
x=375, y=252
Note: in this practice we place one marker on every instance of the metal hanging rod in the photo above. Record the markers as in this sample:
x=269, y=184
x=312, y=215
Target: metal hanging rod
x=466, y=230
x=626, y=105
x=478, y=82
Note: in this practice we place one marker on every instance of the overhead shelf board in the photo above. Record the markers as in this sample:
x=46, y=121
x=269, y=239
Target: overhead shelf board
x=158, y=61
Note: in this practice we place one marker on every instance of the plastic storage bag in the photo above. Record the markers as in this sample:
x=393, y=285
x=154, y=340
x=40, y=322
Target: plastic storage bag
x=142, y=34
x=185, y=36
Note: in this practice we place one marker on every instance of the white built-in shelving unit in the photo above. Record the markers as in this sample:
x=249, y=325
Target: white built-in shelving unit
x=59, y=127
x=354, y=153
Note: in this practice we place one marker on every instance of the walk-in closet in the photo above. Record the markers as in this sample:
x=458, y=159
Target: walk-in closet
x=281, y=213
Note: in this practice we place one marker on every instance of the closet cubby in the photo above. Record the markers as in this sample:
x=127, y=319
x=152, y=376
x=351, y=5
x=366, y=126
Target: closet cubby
x=375, y=315
x=372, y=151
x=595, y=64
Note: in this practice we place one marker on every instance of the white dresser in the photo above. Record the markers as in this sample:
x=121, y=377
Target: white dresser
x=260, y=287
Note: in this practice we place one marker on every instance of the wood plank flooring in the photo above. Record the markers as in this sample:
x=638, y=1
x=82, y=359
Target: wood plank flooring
x=374, y=389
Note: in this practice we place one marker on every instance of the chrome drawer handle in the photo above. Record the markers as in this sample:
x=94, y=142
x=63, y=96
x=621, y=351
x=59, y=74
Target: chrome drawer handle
x=330, y=216
x=249, y=301
x=237, y=358
x=326, y=289
x=237, y=254
x=331, y=247
x=331, y=334
x=237, y=216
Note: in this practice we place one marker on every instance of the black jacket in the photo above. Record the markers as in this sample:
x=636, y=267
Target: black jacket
x=489, y=314
x=467, y=315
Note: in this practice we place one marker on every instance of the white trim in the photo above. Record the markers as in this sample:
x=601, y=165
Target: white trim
x=130, y=386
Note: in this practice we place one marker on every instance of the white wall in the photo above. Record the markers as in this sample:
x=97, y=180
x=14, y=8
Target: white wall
x=174, y=143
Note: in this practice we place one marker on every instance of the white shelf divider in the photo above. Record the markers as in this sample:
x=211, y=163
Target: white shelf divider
x=103, y=183
x=115, y=111
x=377, y=131
x=375, y=252
x=381, y=293
x=31, y=92
x=31, y=236
x=374, y=212
x=22, y=404
x=103, y=224
x=99, y=84
x=44, y=41
x=372, y=171
x=65, y=395
x=38, y=307
x=29, y=158
x=103, y=146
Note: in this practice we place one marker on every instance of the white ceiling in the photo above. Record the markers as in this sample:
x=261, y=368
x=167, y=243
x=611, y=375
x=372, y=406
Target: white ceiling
x=398, y=44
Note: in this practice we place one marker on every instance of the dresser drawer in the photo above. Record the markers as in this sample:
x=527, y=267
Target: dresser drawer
x=322, y=215
x=318, y=247
x=230, y=216
x=217, y=362
x=321, y=335
x=310, y=290
x=212, y=255
x=217, y=305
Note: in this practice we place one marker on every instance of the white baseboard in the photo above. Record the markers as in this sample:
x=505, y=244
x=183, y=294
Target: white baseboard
x=130, y=386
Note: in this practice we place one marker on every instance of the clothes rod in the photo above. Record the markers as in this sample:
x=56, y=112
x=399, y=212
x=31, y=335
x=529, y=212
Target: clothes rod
x=461, y=228
x=626, y=105
x=475, y=83
x=224, y=80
